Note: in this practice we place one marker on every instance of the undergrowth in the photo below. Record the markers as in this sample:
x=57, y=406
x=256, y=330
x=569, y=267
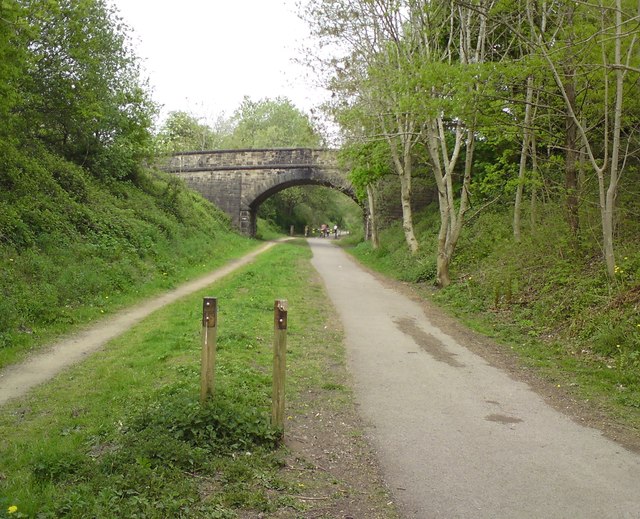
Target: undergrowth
x=73, y=248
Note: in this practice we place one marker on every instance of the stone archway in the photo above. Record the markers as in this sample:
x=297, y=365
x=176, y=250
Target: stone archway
x=255, y=199
x=238, y=181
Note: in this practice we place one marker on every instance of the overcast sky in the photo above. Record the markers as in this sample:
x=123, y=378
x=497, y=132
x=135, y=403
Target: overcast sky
x=204, y=56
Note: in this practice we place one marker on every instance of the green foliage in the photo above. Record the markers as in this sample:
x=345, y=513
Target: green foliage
x=394, y=258
x=184, y=132
x=310, y=206
x=74, y=84
x=13, y=65
x=367, y=162
x=85, y=246
x=271, y=123
x=267, y=230
x=221, y=427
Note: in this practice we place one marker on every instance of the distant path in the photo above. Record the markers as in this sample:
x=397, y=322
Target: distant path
x=456, y=437
x=16, y=380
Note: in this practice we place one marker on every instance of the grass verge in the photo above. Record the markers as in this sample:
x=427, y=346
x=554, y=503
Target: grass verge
x=123, y=435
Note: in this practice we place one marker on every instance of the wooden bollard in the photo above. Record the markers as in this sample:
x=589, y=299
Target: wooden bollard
x=209, y=337
x=279, y=362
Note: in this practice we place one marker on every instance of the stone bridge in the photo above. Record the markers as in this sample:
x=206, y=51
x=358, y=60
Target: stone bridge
x=238, y=181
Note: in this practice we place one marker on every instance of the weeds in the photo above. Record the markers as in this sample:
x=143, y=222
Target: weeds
x=73, y=248
x=123, y=434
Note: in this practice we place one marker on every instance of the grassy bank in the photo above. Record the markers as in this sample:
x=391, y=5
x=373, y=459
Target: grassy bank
x=74, y=248
x=123, y=434
x=547, y=299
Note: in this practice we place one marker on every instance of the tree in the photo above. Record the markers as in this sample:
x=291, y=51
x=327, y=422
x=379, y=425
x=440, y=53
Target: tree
x=82, y=93
x=605, y=56
x=368, y=162
x=271, y=123
x=12, y=66
x=363, y=79
x=184, y=132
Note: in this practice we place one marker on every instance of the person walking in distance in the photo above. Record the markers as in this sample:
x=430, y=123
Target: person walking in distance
x=324, y=230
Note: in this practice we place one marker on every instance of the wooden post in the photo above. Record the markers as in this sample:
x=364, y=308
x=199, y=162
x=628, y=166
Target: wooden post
x=279, y=362
x=209, y=336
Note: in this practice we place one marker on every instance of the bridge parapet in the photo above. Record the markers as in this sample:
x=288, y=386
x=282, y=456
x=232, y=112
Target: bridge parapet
x=278, y=158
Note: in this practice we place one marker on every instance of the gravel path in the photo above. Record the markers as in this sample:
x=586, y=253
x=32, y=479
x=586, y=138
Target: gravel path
x=17, y=379
x=457, y=437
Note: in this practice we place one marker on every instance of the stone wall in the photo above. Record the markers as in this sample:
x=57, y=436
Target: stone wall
x=253, y=159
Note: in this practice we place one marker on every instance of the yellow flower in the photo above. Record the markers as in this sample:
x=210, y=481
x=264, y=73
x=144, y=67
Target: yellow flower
x=12, y=509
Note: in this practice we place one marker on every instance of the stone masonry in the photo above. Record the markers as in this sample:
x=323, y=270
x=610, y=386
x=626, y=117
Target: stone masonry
x=238, y=181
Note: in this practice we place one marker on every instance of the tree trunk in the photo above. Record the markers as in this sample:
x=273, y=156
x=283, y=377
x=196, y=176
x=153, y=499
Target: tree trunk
x=526, y=130
x=450, y=221
x=534, y=188
x=610, y=199
x=442, y=265
x=571, y=157
x=373, y=216
x=407, y=213
x=404, y=170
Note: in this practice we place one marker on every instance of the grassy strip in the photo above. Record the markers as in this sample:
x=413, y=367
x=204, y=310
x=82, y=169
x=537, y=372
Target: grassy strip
x=123, y=435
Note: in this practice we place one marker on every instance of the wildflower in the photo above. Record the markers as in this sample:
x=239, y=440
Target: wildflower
x=12, y=509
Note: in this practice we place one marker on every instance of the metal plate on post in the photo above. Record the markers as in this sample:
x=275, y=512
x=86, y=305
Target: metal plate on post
x=210, y=312
x=280, y=314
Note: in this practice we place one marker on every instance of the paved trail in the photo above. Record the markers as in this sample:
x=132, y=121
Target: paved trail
x=456, y=437
x=17, y=379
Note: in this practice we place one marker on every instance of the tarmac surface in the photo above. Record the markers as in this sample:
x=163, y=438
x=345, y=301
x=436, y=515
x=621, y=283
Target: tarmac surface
x=455, y=436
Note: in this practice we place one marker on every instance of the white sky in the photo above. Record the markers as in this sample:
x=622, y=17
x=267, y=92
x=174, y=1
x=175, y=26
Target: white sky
x=204, y=56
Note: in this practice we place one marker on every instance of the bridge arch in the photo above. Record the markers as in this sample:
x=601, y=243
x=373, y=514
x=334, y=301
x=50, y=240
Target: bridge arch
x=239, y=181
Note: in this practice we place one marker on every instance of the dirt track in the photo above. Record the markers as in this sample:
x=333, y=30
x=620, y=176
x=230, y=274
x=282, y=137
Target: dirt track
x=17, y=379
